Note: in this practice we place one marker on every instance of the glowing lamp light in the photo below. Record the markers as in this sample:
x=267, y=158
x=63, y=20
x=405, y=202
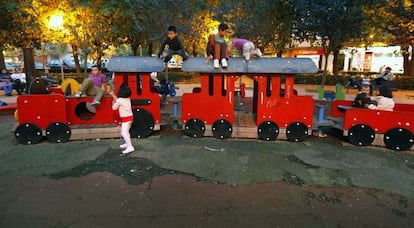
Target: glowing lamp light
x=56, y=22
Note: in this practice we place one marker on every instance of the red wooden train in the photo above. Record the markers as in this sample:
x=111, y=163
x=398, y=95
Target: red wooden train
x=277, y=112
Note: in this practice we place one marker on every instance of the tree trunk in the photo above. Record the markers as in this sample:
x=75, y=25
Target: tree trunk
x=76, y=58
x=195, y=49
x=325, y=69
x=150, y=47
x=29, y=65
x=2, y=63
x=85, y=63
x=134, y=48
x=279, y=53
x=408, y=63
x=336, y=62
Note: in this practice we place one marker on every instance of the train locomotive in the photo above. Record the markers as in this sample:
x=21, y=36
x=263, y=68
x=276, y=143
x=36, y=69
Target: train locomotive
x=278, y=112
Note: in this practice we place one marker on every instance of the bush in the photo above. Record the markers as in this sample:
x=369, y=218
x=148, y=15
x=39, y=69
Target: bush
x=401, y=82
x=179, y=76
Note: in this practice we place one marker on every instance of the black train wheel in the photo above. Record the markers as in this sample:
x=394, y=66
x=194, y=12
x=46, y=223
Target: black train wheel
x=28, y=133
x=58, y=132
x=398, y=139
x=143, y=124
x=195, y=128
x=222, y=129
x=296, y=132
x=361, y=135
x=268, y=131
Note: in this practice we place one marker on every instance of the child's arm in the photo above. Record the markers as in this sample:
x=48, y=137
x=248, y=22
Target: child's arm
x=115, y=105
x=180, y=44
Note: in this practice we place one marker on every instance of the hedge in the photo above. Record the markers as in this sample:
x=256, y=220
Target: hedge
x=401, y=82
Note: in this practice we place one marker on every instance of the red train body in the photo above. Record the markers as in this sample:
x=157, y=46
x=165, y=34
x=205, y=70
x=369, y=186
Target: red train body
x=394, y=128
x=277, y=112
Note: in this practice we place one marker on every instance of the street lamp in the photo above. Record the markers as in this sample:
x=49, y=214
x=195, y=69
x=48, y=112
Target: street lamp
x=56, y=23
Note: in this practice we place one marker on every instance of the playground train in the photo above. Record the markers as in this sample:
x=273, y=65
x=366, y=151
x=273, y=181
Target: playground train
x=277, y=112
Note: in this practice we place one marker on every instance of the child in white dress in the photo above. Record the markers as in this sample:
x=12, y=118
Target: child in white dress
x=122, y=103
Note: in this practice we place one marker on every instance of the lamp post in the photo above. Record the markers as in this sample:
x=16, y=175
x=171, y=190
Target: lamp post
x=56, y=24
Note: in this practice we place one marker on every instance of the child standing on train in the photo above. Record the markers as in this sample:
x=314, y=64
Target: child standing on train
x=122, y=103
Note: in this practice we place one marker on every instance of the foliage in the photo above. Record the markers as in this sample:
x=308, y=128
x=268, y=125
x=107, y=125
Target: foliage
x=394, y=19
x=328, y=23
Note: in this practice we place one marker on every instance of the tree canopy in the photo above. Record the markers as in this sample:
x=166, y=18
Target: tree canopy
x=92, y=26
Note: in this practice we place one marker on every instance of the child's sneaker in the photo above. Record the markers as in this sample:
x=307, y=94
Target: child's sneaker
x=123, y=146
x=78, y=94
x=128, y=150
x=95, y=102
x=216, y=64
x=224, y=63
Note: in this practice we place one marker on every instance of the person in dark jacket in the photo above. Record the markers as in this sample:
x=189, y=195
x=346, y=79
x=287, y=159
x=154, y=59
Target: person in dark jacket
x=362, y=98
x=175, y=46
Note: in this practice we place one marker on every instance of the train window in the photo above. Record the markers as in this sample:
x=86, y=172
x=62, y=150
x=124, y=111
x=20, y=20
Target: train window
x=139, y=84
x=269, y=86
x=211, y=85
x=223, y=85
x=85, y=111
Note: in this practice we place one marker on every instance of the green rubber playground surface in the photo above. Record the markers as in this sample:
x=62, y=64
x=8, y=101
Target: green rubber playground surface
x=321, y=162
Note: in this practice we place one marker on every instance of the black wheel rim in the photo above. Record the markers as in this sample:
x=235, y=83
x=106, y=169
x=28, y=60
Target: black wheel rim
x=143, y=124
x=58, y=132
x=268, y=131
x=195, y=128
x=361, y=135
x=296, y=132
x=28, y=133
x=222, y=129
x=398, y=139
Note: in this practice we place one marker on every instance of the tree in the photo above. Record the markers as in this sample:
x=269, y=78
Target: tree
x=20, y=30
x=268, y=23
x=396, y=19
x=329, y=23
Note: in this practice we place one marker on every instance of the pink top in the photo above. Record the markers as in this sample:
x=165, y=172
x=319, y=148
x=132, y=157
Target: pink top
x=238, y=43
x=97, y=80
x=124, y=107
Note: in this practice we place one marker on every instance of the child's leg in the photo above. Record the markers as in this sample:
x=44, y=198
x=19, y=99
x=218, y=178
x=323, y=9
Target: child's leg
x=167, y=54
x=86, y=85
x=217, y=51
x=125, y=133
x=223, y=51
x=182, y=54
x=8, y=89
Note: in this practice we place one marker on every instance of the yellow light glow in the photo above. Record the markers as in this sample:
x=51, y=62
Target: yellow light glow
x=56, y=21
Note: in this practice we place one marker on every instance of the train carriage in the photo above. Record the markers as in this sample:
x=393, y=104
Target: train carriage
x=277, y=109
x=394, y=129
x=61, y=118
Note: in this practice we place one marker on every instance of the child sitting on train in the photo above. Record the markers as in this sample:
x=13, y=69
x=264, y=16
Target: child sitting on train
x=384, y=100
x=362, y=98
x=94, y=85
x=217, y=47
x=175, y=46
x=246, y=48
